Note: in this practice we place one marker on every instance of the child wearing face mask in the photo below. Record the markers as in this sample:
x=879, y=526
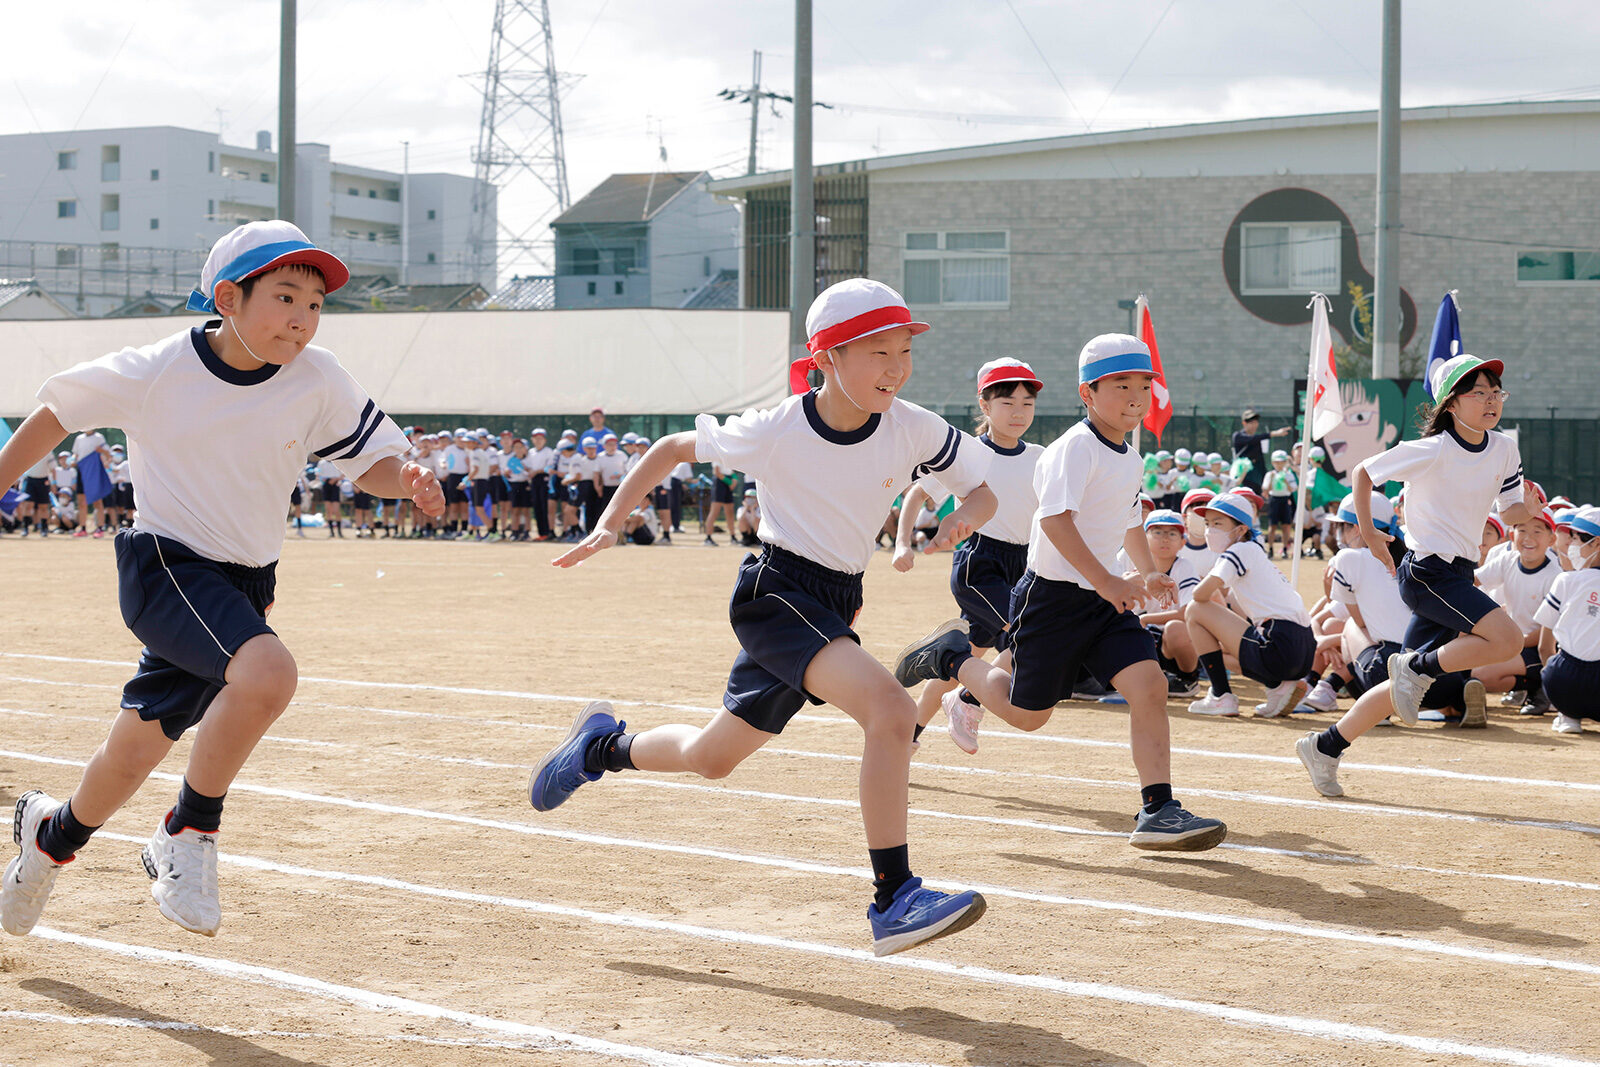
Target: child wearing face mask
x=1518, y=577
x=1274, y=644
x=1194, y=548
x=1569, y=635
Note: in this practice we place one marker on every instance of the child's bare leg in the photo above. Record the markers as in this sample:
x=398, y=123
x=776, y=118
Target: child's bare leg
x=711, y=751
x=1145, y=689
x=928, y=701
x=1213, y=627
x=991, y=684
x=1495, y=638
x=119, y=767
x=847, y=677
x=261, y=681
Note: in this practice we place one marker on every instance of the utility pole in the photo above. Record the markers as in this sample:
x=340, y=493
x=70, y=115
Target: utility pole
x=802, y=205
x=1386, y=295
x=405, y=209
x=755, y=110
x=286, y=135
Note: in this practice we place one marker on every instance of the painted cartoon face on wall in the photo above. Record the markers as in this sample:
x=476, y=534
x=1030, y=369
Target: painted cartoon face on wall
x=1363, y=433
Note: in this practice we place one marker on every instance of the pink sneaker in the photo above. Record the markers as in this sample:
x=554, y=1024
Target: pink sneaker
x=962, y=720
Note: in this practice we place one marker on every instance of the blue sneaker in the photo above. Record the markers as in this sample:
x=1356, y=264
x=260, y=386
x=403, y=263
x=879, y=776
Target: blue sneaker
x=917, y=915
x=561, y=771
x=921, y=660
x=1171, y=829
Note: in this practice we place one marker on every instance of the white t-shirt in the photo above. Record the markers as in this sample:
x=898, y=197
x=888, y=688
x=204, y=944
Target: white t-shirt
x=453, y=460
x=1518, y=590
x=1011, y=479
x=612, y=466
x=480, y=464
x=1201, y=558
x=1360, y=579
x=516, y=468
x=1181, y=571
x=65, y=477
x=1257, y=586
x=87, y=443
x=538, y=459
x=1572, y=610
x=119, y=473
x=1166, y=480
x=824, y=493
x=581, y=468
x=215, y=451
x=1280, y=482
x=1098, y=481
x=42, y=468
x=1449, y=488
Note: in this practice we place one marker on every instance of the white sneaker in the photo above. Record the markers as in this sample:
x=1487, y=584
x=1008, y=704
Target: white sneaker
x=962, y=719
x=1323, y=768
x=1214, y=704
x=1282, y=698
x=31, y=876
x=1514, y=699
x=1407, y=686
x=1474, y=714
x=1564, y=724
x=184, y=866
x=1322, y=697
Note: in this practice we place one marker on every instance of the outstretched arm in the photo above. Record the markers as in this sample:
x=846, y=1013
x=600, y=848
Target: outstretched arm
x=34, y=439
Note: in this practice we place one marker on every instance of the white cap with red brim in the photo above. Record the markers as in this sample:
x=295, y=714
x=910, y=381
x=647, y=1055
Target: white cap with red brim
x=1000, y=371
x=848, y=311
x=256, y=247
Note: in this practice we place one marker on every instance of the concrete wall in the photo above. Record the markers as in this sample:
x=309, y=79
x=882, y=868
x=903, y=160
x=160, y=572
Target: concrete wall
x=691, y=239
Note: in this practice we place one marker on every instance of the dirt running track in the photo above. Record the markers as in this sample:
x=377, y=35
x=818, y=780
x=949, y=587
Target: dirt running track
x=391, y=898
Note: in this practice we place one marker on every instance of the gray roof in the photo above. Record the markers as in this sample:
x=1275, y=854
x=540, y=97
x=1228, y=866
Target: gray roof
x=627, y=198
x=12, y=289
x=533, y=293
x=721, y=291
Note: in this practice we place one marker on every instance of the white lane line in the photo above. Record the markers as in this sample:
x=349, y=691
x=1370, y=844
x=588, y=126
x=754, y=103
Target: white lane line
x=786, y=798
x=1398, y=942
x=1301, y=1025
x=374, y=1001
x=839, y=720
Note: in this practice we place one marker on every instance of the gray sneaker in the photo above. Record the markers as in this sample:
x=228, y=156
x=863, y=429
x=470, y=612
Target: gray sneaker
x=1537, y=704
x=1406, y=686
x=921, y=660
x=1323, y=768
x=1171, y=829
x=1474, y=698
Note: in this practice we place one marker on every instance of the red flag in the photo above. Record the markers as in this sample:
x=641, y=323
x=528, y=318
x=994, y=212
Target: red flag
x=1160, y=413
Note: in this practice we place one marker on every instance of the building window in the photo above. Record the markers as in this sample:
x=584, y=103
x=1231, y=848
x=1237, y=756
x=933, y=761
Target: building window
x=705, y=266
x=958, y=268
x=432, y=214
x=211, y=209
x=66, y=255
x=66, y=209
x=591, y=288
x=371, y=236
x=618, y=288
x=110, y=252
x=1557, y=265
x=1289, y=257
x=110, y=211
x=155, y=224
x=155, y=175
x=372, y=194
x=265, y=177
x=110, y=162
x=67, y=160
x=586, y=261
x=432, y=258
x=211, y=162
x=352, y=191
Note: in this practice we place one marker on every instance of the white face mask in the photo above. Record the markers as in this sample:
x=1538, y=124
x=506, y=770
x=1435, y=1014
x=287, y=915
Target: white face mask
x=1218, y=540
x=1575, y=554
x=1194, y=526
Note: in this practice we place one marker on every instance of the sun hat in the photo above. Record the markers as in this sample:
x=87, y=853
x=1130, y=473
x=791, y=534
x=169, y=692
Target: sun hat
x=1280, y=456
x=1500, y=527
x=1382, y=511
x=248, y=250
x=1447, y=375
x=1146, y=501
x=1232, y=505
x=1586, y=521
x=1546, y=516
x=1163, y=517
x=538, y=431
x=1183, y=456
x=1249, y=414
x=848, y=311
x=1113, y=353
x=566, y=446
x=1317, y=452
x=1256, y=499
x=997, y=371
x=606, y=437
x=1195, y=496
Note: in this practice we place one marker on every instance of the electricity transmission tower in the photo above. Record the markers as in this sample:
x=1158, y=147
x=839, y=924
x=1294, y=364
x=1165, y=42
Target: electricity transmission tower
x=519, y=138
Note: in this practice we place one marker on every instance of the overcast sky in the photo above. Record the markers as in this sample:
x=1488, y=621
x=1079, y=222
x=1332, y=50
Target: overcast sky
x=645, y=74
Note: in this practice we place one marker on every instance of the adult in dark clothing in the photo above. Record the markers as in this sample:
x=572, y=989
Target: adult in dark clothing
x=1247, y=444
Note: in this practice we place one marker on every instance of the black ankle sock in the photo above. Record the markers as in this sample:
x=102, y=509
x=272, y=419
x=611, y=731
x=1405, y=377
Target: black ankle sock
x=62, y=835
x=1337, y=683
x=1313, y=678
x=1216, y=671
x=1331, y=742
x=891, y=868
x=1428, y=663
x=1154, y=796
x=1533, y=680
x=916, y=732
x=950, y=663
x=196, y=811
x=609, y=752
x=967, y=697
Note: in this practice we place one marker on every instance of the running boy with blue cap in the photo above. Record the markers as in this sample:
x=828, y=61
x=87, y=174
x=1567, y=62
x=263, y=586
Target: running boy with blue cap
x=1073, y=609
x=220, y=419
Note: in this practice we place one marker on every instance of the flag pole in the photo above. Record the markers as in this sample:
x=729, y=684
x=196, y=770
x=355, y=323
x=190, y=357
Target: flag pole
x=1305, y=454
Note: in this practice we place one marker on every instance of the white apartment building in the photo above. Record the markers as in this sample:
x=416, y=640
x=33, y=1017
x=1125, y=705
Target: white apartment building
x=99, y=217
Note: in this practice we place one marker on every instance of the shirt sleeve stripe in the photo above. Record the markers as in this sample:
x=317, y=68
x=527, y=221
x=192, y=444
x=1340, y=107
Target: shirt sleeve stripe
x=947, y=454
x=359, y=445
x=1234, y=559
x=1340, y=579
x=324, y=453
x=1553, y=602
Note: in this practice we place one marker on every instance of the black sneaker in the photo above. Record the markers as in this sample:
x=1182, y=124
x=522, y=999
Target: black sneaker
x=923, y=659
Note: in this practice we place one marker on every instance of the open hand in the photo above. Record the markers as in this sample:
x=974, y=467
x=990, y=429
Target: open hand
x=1122, y=594
x=1378, y=545
x=952, y=531
x=601, y=538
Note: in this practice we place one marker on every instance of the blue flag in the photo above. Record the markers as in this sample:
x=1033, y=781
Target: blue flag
x=96, y=483
x=1446, y=341
x=10, y=499
x=5, y=431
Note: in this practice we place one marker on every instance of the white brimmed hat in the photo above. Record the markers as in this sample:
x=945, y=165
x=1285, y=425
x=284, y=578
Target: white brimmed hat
x=1451, y=371
x=1113, y=353
x=1000, y=371
x=1233, y=506
x=248, y=250
x=848, y=311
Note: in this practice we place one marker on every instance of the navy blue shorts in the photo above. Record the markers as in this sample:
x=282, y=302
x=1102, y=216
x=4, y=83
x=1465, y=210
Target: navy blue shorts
x=1168, y=665
x=785, y=609
x=1371, y=668
x=1443, y=601
x=192, y=614
x=1276, y=651
x=1280, y=510
x=1573, y=685
x=982, y=575
x=453, y=493
x=37, y=490
x=1058, y=628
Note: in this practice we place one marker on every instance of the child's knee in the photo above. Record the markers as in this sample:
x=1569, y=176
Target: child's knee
x=265, y=670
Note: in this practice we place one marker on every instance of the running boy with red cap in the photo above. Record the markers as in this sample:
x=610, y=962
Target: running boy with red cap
x=1073, y=609
x=827, y=463
x=220, y=419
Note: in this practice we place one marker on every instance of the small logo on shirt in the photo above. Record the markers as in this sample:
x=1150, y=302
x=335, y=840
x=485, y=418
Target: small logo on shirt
x=888, y=483
x=291, y=444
